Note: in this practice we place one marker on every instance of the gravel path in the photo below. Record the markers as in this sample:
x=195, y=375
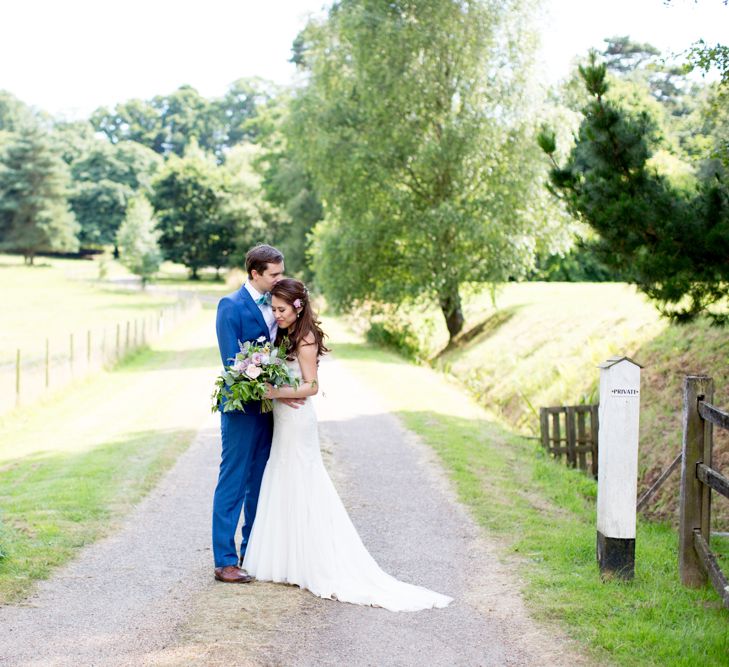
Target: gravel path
x=122, y=603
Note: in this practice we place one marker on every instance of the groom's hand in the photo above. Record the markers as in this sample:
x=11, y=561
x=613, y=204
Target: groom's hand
x=294, y=403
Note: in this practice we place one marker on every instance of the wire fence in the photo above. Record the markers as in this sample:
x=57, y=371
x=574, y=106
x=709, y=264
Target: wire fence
x=77, y=354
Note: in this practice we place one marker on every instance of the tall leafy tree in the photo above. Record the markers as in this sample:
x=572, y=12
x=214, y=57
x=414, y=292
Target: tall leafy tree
x=106, y=177
x=189, y=199
x=672, y=242
x=34, y=182
x=411, y=125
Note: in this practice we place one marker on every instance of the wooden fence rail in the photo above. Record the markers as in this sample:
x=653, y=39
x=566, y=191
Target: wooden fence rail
x=698, y=480
x=64, y=358
x=579, y=426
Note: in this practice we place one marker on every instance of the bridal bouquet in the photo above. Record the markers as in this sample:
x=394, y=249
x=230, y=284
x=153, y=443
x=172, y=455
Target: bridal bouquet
x=256, y=365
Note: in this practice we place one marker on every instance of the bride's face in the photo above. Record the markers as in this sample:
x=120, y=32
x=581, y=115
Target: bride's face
x=284, y=313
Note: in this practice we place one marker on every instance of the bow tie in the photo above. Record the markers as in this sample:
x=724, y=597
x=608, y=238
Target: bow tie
x=264, y=299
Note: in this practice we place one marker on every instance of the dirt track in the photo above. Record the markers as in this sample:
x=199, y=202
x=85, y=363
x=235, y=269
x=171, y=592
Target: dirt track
x=145, y=596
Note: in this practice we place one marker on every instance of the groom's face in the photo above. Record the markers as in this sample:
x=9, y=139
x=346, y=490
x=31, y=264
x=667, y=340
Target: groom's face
x=263, y=282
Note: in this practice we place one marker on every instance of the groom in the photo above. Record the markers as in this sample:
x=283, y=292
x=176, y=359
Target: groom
x=245, y=315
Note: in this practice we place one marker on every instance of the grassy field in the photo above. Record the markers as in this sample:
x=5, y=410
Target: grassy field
x=73, y=465
x=58, y=297
x=544, y=515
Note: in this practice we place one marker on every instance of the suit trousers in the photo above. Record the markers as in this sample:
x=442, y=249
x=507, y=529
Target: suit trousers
x=246, y=447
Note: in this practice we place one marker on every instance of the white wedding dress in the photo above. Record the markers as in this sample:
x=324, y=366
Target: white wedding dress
x=303, y=535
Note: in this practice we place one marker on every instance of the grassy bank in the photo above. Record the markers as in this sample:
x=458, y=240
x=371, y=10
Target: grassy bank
x=73, y=465
x=540, y=346
x=544, y=514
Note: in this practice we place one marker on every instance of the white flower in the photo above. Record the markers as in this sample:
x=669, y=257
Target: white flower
x=253, y=371
x=260, y=339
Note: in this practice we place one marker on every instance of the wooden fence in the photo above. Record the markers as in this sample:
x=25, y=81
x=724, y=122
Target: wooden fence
x=68, y=357
x=698, y=480
x=571, y=431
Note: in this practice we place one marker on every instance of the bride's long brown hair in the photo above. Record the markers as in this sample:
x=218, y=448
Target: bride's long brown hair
x=290, y=289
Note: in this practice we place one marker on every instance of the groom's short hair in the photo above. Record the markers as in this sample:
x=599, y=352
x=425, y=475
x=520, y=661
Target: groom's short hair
x=260, y=256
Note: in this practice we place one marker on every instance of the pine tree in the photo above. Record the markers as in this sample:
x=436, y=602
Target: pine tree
x=137, y=240
x=34, y=212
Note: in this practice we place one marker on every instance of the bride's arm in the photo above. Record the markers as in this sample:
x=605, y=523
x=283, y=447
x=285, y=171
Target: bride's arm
x=306, y=351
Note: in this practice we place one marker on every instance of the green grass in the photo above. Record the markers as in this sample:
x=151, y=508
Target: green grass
x=58, y=297
x=544, y=516
x=74, y=464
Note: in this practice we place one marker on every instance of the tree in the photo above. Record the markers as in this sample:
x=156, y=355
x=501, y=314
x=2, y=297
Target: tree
x=34, y=182
x=189, y=199
x=137, y=240
x=672, y=242
x=106, y=177
x=412, y=125
x=169, y=123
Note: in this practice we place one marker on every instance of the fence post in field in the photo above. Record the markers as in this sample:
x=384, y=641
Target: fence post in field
x=126, y=345
x=17, y=377
x=617, y=480
x=696, y=435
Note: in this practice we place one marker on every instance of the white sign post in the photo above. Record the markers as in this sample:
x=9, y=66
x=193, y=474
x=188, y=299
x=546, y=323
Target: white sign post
x=617, y=480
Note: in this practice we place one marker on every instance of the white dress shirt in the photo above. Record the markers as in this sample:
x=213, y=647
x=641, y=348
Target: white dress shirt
x=265, y=309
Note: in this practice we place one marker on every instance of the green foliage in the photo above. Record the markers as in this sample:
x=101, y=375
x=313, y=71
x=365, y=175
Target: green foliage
x=169, y=123
x=13, y=113
x=579, y=264
x=411, y=126
x=137, y=240
x=105, y=178
x=289, y=189
x=673, y=244
x=34, y=184
x=189, y=198
x=394, y=336
x=234, y=388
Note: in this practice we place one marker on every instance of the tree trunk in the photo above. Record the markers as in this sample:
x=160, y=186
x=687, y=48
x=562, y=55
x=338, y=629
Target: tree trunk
x=193, y=273
x=450, y=304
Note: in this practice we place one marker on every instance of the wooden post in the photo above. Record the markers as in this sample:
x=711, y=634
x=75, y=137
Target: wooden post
x=126, y=345
x=556, y=435
x=594, y=434
x=617, y=483
x=571, y=436
x=17, y=377
x=581, y=439
x=48, y=363
x=695, y=388
x=544, y=428
x=135, y=333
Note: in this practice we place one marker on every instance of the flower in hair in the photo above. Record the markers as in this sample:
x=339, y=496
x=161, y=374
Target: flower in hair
x=297, y=303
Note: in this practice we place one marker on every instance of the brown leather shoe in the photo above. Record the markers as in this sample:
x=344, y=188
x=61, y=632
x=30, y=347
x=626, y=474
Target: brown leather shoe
x=230, y=574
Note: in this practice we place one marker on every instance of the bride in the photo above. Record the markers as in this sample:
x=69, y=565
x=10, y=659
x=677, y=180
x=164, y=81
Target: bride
x=302, y=534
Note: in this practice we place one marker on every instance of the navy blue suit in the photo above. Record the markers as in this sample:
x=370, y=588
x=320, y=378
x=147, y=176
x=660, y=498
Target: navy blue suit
x=246, y=435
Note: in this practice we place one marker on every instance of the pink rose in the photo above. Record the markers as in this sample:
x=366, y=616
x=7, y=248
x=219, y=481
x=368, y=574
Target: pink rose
x=257, y=358
x=253, y=371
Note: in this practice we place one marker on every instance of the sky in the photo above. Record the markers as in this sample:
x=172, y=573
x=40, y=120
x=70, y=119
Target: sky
x=69, y=57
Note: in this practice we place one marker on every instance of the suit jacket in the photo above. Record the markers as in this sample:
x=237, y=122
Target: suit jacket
x=239, y=319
